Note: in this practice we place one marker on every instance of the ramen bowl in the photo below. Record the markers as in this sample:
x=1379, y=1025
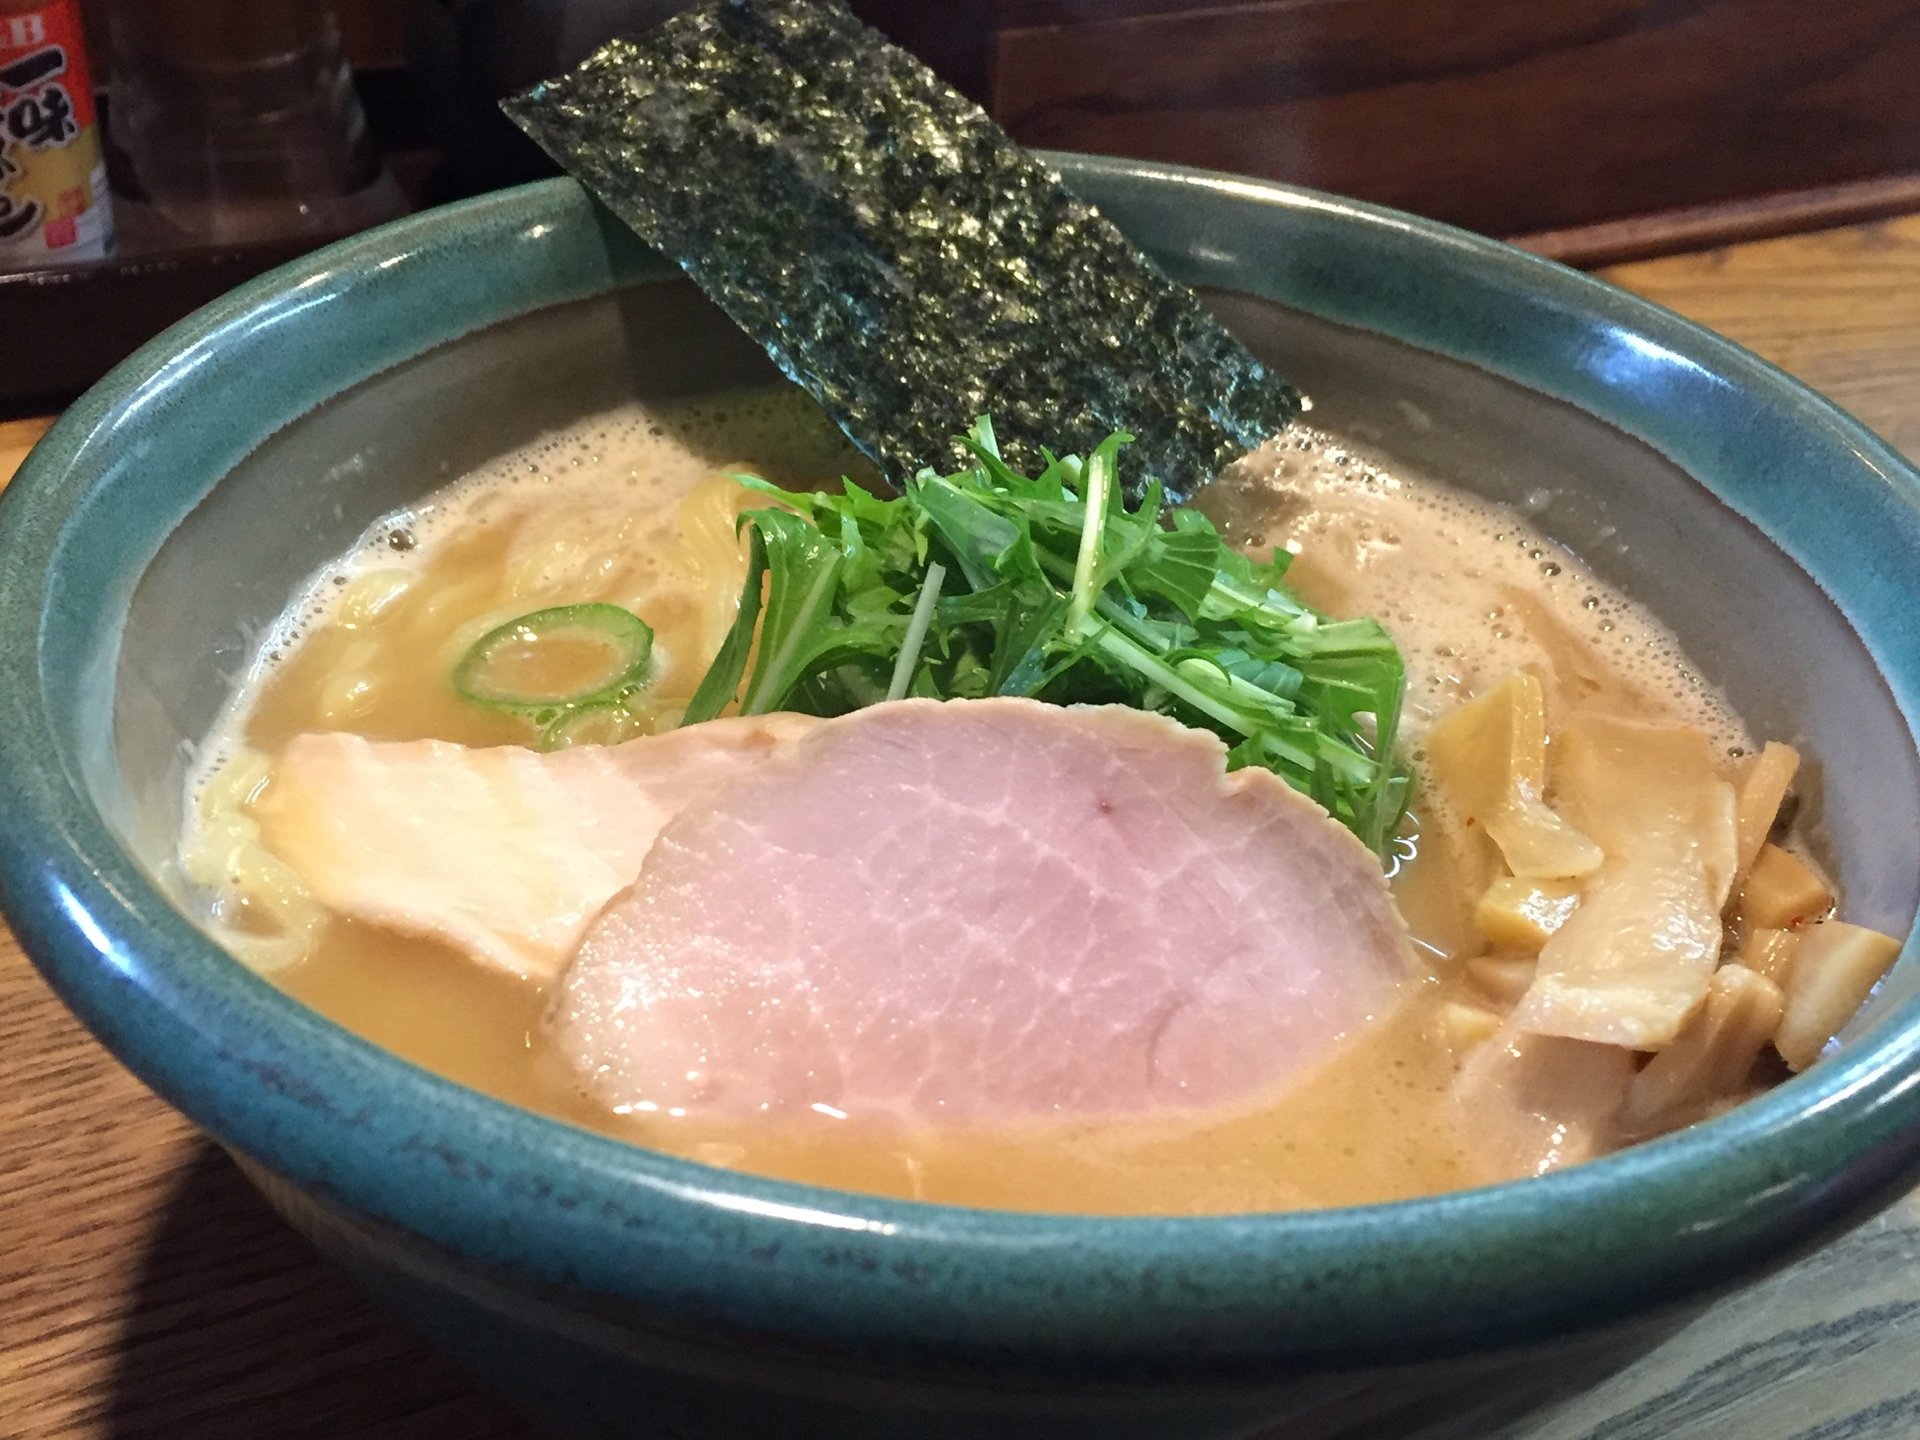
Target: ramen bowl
x=611, y=1290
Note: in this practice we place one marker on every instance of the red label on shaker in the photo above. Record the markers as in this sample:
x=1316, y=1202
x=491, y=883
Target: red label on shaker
x=53, y=185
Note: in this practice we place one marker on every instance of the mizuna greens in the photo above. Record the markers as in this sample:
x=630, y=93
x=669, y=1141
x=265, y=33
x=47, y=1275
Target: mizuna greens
x=990, y=582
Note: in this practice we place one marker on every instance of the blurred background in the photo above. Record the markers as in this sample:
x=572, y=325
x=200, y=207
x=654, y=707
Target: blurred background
x=157, y=152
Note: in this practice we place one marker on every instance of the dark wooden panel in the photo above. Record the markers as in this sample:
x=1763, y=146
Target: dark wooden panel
x=954, y=37
x=1504, y=117
x=1014, y=14
x=375, y=32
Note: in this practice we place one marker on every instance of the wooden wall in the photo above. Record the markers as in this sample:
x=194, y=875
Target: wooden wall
x=1509, y=116
x=1595, y=127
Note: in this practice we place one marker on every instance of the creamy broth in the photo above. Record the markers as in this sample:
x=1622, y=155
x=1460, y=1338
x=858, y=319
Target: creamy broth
x=632, y=508
x=1469, y=589
x=628, y=508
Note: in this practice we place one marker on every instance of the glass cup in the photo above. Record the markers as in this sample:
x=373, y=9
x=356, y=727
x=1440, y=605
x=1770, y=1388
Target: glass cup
x=239, y=121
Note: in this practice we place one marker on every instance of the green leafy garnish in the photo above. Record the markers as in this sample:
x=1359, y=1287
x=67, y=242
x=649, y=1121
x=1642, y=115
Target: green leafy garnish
x=991, y=582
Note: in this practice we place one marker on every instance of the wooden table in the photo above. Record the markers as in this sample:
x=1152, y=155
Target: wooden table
x=144, y=1291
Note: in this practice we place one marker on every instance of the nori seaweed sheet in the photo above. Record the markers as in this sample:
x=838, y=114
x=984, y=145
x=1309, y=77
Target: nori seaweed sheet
x=894, y=251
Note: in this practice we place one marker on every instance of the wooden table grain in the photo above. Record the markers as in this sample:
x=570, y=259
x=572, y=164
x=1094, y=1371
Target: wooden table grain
x=144, y=1291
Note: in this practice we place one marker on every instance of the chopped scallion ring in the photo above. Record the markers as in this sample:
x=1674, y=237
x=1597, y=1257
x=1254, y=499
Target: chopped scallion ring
x=606, y=722
x=563, y=658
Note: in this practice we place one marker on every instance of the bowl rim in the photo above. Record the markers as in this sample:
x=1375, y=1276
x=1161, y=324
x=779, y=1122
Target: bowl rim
x=1237, y=1295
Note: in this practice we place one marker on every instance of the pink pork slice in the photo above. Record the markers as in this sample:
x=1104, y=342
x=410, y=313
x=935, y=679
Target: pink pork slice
x=503, y=853
x=983, y=910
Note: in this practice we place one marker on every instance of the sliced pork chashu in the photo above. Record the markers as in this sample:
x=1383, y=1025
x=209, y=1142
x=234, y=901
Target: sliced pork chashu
x=982, y=910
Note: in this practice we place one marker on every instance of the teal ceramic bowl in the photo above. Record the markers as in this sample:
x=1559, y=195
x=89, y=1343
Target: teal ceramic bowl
x=613, y=1291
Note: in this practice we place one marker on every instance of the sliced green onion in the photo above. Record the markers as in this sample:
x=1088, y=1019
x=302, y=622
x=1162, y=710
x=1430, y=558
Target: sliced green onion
x=916, y=635
x=606, y=722
x=1086, y=567
x=569, y=656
